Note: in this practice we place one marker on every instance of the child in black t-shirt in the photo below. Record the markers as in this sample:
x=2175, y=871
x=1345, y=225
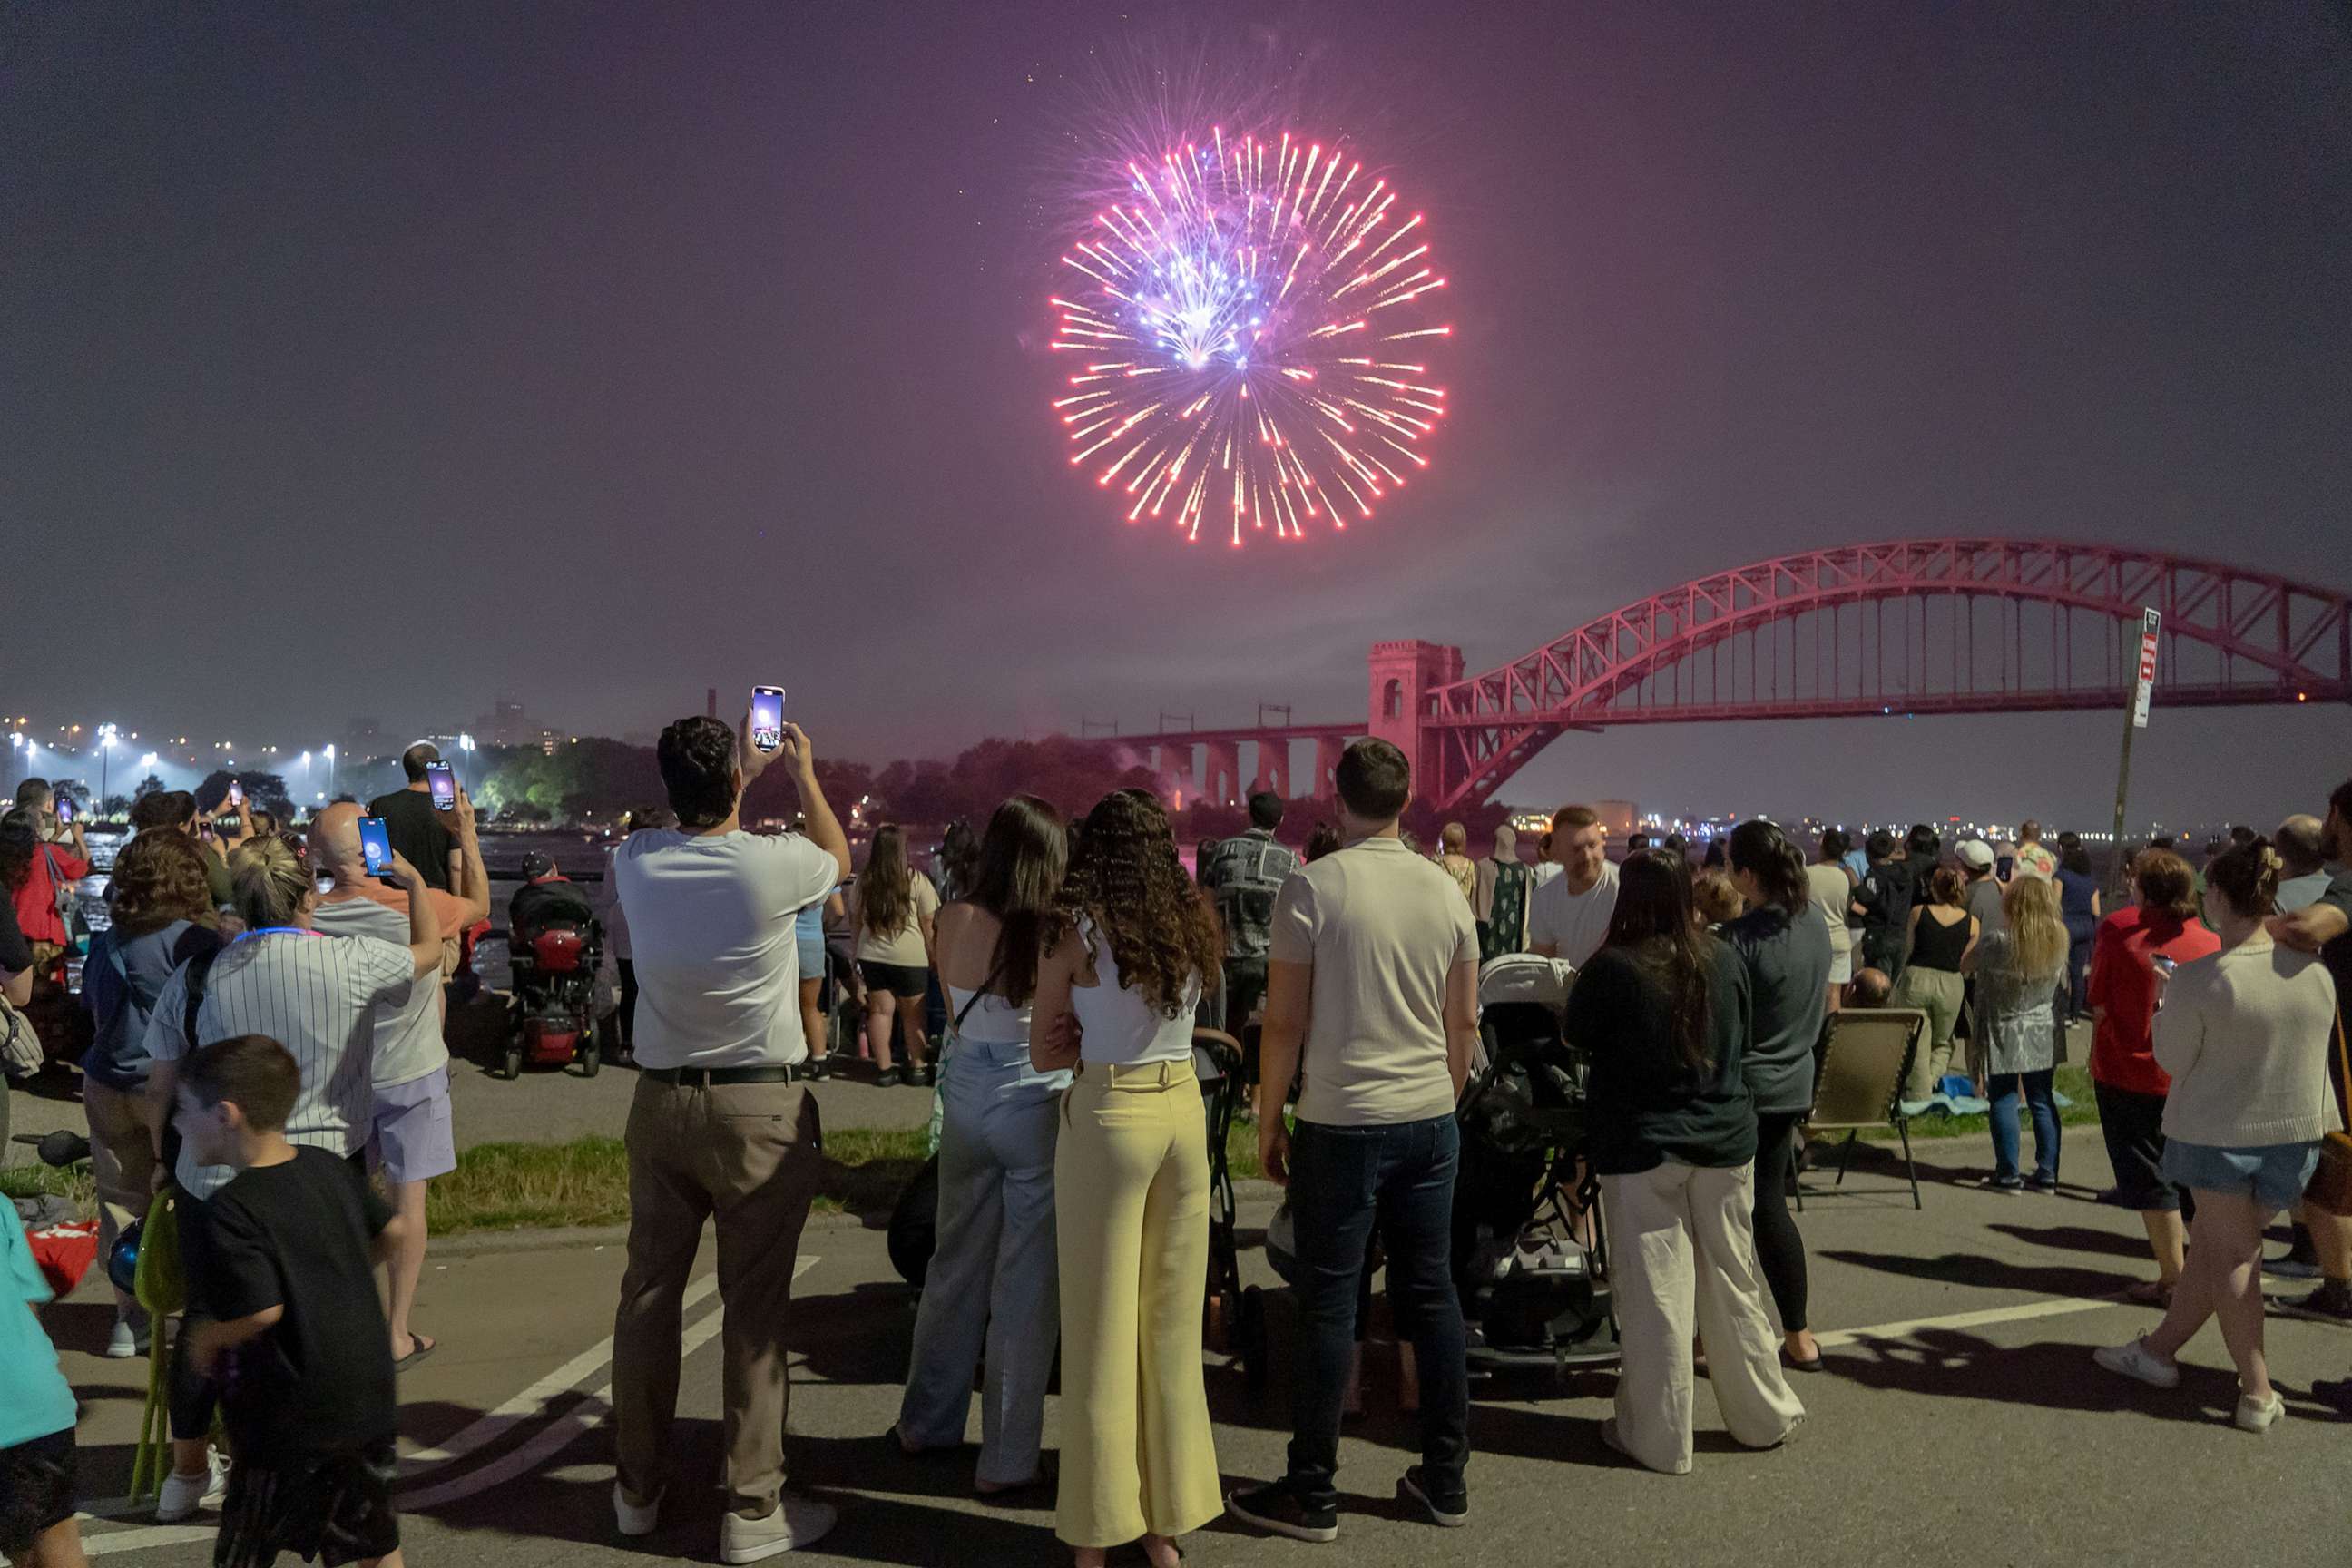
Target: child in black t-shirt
x=298, y=1340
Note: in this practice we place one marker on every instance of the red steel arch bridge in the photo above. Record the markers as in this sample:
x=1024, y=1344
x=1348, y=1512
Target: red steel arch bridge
x=1912, y=627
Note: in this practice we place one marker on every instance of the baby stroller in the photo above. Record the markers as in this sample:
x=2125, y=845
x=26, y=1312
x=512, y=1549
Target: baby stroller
x=1530, y=1257
x=553, y=1021
x=1234, y=1318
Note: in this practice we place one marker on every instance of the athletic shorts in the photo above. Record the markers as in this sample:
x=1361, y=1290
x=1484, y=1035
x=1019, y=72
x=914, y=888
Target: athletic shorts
x=1841, y=966
x=2272, y=1174
x=2133, y=1126
x=37, y=1489
x=335, y=1507
x=898, y=979
x=411, y=1137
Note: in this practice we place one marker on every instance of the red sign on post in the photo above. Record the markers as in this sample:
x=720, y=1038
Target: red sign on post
x=2146, y=682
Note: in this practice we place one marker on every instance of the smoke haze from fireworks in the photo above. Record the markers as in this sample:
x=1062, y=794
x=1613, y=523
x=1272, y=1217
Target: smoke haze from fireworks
x=1254, y=322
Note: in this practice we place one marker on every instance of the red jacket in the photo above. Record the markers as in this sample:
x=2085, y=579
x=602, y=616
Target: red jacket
x=36, y=901
x=2123, y=984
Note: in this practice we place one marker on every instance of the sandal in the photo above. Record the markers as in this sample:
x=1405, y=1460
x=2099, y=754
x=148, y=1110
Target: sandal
x=419, y=1347
x=2150, y=1293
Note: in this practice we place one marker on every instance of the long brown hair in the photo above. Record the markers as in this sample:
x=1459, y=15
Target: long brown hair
x=1126, y=880
x=1015, y=876
x=885, y=889
x=159, y=878
x=1653, y=922
x=2037, y=932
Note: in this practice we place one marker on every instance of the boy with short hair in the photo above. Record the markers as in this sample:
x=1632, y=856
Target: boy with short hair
x=298, y=1336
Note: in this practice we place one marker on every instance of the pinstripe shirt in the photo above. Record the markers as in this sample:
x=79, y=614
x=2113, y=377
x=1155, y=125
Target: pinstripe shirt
x=314, y=995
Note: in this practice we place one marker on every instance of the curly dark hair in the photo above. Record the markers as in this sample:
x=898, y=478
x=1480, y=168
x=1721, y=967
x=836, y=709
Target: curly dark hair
x=159, y=878
x=19, y=841
x=1126, y=880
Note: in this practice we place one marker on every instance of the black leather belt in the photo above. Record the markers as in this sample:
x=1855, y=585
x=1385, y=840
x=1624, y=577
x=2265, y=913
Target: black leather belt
x=712, y=1078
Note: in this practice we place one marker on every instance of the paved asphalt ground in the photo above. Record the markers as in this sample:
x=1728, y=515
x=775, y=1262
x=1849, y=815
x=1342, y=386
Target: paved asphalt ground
x=1960, y=1420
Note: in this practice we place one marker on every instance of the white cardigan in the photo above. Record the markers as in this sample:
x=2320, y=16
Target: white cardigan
x=2245, y=1034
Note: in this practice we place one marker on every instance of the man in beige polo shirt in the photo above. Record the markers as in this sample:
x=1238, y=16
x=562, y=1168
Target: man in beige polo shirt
x=1373, y=977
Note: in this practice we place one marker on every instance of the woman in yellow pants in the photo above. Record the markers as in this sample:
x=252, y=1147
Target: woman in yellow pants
x=1126, y=953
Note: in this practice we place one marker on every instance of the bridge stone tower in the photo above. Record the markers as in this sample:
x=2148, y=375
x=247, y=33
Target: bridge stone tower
x=1403, y=674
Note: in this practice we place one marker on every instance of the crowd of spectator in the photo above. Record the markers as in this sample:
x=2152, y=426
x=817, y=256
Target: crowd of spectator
x=267, y=1034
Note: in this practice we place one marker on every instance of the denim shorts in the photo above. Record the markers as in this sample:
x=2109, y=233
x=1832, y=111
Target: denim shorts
x=2275, y=1174
x=811, y=959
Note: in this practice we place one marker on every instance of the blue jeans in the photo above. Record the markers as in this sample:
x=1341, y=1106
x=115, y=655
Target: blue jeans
x=1343, y=1180
x=992, y=1298
x=2003, y=1088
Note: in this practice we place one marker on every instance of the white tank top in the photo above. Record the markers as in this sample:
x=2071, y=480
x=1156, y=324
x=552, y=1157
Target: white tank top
x=993, y=1019
x=1120, y=1027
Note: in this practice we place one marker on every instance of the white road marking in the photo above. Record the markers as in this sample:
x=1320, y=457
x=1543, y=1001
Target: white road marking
x=560, y=1433
x=491, y=1427
x=2057, y=1307
x=149, y=1535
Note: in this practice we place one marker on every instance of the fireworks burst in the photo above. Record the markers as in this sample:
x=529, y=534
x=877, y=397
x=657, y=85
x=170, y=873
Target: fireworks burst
x=1253, y=320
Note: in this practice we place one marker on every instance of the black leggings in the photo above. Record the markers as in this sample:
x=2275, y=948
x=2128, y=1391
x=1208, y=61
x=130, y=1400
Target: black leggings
x=628, y=1001
x=1780, y=1248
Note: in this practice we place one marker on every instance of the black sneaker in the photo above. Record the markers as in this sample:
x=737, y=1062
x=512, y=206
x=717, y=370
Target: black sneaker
x=2040, y=1183
x=2007, y=1186
x=887, y=1078
x=1277, y=1509
x=813, y=1069
x=922, y=1076
x=1450, y=1508
x=2331, y=1303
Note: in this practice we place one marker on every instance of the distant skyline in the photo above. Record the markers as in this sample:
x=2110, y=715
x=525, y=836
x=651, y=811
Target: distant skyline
x=382, y=363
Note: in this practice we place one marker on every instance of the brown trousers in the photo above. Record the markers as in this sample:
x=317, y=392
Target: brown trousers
x=748, y=1155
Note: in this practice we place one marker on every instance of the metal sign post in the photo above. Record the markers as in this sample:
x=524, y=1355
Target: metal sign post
x=2134, y=719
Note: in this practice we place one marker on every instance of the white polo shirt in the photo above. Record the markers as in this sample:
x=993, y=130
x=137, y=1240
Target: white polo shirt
x=712, y=924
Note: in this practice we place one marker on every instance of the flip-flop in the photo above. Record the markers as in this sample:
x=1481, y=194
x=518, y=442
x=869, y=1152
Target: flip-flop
x=420, y=1346
x=1793, y=1364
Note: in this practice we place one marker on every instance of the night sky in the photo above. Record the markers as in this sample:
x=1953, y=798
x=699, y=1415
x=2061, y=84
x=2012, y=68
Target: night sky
x=375, y=360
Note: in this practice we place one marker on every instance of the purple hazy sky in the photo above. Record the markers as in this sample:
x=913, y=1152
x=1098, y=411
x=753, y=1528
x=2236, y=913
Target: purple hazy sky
x=372, y=360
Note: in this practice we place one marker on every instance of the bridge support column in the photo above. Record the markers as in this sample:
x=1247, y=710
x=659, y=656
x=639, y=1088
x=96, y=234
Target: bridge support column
x=1173, y=767
x=1221, y=774
x=1327, y=752
x=1273, y=768
x=1403, y=676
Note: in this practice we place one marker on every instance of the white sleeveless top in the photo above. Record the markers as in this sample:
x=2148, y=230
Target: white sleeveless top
x=1119, y=1027
x=992, y=1020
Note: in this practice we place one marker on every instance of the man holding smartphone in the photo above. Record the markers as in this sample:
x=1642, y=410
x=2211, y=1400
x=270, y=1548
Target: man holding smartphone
x=719, y=1127
x=411, y=1136
x=418, y=830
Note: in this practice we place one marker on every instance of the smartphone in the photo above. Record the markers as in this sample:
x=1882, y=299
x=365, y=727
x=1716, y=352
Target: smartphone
x=444, y=785
x=767, y=717
x=236, y=793
x=376, y=846
x=65, y=808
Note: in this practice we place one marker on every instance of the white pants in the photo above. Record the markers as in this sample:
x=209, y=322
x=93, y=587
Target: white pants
x=1680, y=1233
x=994, y=1285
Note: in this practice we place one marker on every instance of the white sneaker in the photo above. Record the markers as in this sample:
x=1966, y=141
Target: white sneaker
x=183, y=1495
x=797, y=1522
x=2254, y=1416
x=2133, y=1360
x=126, y=1343
x=634, y=1518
